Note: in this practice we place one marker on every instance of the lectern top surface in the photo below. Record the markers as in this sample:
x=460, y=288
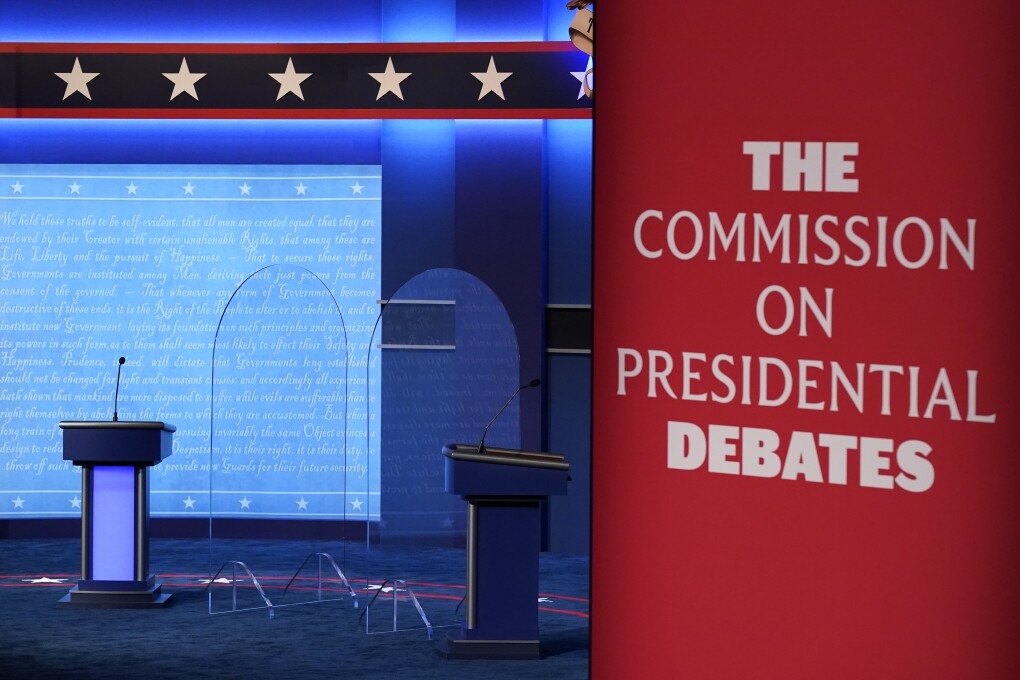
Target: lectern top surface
x=506, y=456
x=119, y=425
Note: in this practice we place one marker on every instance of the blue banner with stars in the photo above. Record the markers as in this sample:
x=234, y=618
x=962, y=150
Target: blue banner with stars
x=448, y=80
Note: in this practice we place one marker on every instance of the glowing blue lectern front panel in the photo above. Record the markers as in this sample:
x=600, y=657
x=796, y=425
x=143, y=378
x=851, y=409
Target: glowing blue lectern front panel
x=113, y=523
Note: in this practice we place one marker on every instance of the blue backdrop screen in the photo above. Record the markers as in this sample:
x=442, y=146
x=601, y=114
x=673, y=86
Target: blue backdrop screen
x=103, y=261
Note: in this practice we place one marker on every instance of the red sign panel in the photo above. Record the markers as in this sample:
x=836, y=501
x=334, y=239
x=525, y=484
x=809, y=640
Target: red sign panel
x=807, y=340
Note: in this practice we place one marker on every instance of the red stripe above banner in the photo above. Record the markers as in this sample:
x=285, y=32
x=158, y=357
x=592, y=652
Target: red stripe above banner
x=284, y=48
x=297, y=114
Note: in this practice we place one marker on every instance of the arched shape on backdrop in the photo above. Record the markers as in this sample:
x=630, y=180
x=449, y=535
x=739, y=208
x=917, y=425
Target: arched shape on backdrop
x=445, y=355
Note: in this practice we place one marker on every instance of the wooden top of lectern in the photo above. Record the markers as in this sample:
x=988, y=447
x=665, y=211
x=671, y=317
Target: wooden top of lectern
x=116, y=424
x=499, y=456
x=115, y=442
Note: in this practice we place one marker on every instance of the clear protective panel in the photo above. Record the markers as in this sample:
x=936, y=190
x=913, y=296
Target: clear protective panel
x=446, y=354
x=278, y=445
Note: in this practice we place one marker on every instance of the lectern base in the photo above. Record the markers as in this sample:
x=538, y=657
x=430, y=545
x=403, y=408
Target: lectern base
x=150, y=597
x=456, y=648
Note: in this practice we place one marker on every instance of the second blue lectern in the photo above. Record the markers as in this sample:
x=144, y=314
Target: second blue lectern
x=504, y=489
x=115, y=458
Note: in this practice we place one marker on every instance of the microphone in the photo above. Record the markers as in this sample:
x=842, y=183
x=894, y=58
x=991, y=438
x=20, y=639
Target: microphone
x=116, y=394
x=481, y=444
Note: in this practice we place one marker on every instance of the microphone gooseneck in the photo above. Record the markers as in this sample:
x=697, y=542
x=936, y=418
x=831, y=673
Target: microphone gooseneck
x=116, y=394
x=534, y=383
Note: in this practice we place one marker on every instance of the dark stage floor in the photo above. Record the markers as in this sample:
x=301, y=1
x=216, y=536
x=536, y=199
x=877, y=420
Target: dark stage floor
x=327, y=639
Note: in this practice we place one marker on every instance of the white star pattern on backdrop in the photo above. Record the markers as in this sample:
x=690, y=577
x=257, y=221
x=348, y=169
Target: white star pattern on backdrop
x=356, y=504
x=184, y=81
x=77, y=81
x=44, y=579
x=389, y=81
x=212, y=189
x=290, y=81
x=580, y=76
x=492, y=80
x=245, y=503
x=189, y=503
x=302, y=504
x=75, y=502
x=19, y=502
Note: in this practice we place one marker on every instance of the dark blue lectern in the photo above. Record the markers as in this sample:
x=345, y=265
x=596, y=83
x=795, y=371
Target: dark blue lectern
x=115, y=458
x=504, y=489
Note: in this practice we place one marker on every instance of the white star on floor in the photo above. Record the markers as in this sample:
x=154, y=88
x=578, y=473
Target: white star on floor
x=290, y=81
x=77, y=81
x=245, y=189
x=492, y=80
x=580, y=76
x=389, y=81
x=75, y=188
x=44, y=579
x=184, y=81
x=302, y=504
x=132, y=189
x=189, y=189
x=189, y=502
x=245, y=503
x=75, y=502
x=357, y=187
x=17, y=187
x=301, y=189
x=356, y=504
x=19, y=502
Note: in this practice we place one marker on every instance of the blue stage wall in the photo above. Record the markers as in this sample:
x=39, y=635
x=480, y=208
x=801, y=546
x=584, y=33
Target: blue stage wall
x=488, y=197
